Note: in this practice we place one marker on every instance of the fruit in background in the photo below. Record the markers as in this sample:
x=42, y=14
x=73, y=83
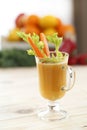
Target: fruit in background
x=13, y=36
x=69, y=28
x=32, y=20
x=69, y=32
x=69, y=47
x=20, y=20
x=49, y=31
x=63, y=29
x=48, y=22
x=59, y=22
x=31, y=29
x=82, y=59
x=60, y=28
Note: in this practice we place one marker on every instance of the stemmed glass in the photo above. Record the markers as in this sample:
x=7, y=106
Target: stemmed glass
x=55, y=79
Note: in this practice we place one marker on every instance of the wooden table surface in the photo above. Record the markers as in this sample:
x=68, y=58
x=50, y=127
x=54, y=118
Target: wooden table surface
x=19, y=91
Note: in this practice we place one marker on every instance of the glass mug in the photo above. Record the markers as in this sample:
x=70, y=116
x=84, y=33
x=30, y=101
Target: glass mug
x=54, y=80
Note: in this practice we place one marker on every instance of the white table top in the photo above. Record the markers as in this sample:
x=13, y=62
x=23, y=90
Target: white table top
x=19, y=90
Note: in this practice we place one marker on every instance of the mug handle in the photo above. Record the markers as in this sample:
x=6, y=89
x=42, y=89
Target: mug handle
x=72, y=77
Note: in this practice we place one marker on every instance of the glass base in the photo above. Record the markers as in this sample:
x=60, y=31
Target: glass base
x=52, y=113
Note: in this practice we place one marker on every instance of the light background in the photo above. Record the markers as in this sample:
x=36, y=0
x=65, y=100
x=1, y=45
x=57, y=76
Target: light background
x=9, y=9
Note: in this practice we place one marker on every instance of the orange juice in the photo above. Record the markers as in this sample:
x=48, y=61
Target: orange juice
x=52, y=79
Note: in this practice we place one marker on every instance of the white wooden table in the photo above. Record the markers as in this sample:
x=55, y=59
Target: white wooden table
x=19, y=90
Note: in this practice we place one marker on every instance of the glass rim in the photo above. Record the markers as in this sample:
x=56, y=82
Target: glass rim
x=53, y=60
x=52, y=52
x=67, y=54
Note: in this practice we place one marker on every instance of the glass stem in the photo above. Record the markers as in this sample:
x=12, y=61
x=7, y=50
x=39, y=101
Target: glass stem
x=53, y=106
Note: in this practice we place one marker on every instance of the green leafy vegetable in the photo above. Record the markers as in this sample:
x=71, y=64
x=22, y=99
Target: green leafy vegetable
x=54, y=39
x=23, y=36
x=39, y=45
x=30, y=52
x=35, y=39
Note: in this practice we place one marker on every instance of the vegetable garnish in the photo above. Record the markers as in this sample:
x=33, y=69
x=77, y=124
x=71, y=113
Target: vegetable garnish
x=46, y=48
x=56, y=41
x=36, y=45
x=40, y=48
x=35, y=48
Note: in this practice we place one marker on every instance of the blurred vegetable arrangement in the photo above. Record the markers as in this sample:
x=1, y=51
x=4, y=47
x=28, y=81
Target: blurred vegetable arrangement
x=48, y=25
x=16, y=58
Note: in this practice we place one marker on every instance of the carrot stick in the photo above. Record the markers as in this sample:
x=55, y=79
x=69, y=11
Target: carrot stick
x=46, y=48
x=35, y=48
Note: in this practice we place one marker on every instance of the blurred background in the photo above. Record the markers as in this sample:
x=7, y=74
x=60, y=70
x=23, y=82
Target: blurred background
x=62, y=9
x=66, y=17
